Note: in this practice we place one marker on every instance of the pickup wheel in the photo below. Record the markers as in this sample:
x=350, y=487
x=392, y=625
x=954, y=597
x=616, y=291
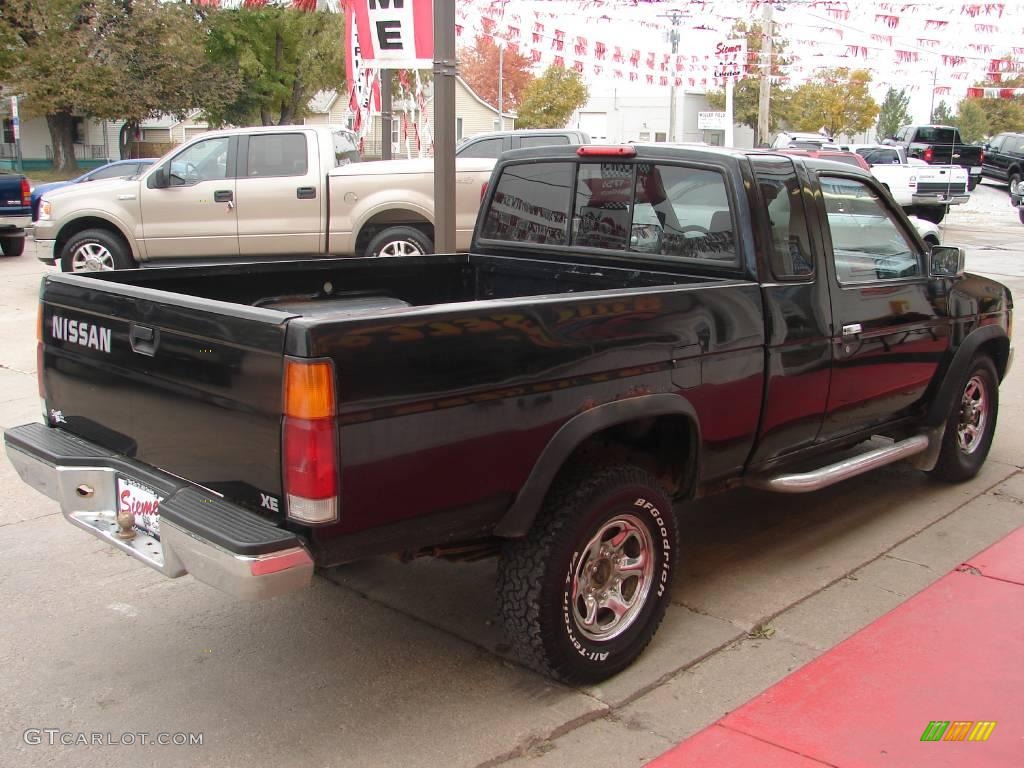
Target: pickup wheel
x=1020, y=214
x=971, y=423
x=12, y=246
x=972, y=183
x=94, y=250
x=933, y=213
x=400, y=241
x=1013, y=180
x=583, y=593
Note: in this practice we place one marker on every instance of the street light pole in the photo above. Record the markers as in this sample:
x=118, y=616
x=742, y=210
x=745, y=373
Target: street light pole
x=501, y=74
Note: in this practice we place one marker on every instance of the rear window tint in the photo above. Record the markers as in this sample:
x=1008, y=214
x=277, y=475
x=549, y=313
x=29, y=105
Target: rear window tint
x=530, y=204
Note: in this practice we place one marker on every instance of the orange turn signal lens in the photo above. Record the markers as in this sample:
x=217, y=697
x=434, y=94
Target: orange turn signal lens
x=308, y=388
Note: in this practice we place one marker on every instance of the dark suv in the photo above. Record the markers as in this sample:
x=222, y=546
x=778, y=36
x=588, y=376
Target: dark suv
x=493, y=144
x=1004, y=158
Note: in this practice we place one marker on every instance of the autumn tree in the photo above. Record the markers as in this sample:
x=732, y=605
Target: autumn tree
x=836, y=99
x=972, y=120
x=550, y=100
x=282, y=56
x=894, y=112
x=747, y=91
x=999, y=114
x=478, y=65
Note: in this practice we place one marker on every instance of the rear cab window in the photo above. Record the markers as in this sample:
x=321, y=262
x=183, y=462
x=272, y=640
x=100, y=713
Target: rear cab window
x=673, y=210
x=277, y=154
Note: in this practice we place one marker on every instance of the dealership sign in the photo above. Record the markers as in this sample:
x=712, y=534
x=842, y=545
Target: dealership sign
x=395, y=34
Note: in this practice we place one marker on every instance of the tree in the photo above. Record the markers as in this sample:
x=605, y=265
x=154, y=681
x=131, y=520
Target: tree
x=478, y=66
x=550, y=100
x=747, y=91
x=282, y=56
x=972, y=120
x=1000, y=114
x=836, y=99
x=894, y=112
x=107, y=59
x=942, y=114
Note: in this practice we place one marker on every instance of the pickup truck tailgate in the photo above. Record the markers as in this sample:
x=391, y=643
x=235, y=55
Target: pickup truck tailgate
x=191, y=386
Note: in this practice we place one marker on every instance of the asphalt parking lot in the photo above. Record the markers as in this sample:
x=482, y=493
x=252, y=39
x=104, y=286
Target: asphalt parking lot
x=383, y=663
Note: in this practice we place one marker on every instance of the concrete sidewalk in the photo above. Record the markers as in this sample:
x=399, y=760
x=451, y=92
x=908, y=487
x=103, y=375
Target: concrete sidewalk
x=938, y=681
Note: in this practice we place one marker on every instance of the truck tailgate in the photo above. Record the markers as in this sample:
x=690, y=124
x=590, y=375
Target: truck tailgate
x=191, y=386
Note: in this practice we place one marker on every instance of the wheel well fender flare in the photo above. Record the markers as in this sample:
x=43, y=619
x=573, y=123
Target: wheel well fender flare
x=518, y=519
x=940, y=405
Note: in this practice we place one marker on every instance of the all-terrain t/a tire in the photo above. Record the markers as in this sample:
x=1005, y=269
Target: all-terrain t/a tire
x=400, y=241
x=12, y=246
x=583, y=593
x=971, y=423
x=95, y=250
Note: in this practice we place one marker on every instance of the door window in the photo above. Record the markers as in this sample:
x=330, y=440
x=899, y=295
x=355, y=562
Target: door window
x=205, y=161
x=867, y=243
x=485, y=148
x=997, y=143
x=277, y=154
x=531, y=204
x=790, y=252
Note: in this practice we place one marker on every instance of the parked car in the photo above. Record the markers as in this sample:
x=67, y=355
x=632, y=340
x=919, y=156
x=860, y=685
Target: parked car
x=1017, y=197
x=802, y=140
x=921, y=189
x=254, y=192
x=634, y=326
x=15, y=212
x=494, y=143
x=940, y=145
x=1004, y=158
x=119, y=169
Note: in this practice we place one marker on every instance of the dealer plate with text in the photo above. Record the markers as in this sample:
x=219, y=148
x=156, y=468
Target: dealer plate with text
x=142, y=502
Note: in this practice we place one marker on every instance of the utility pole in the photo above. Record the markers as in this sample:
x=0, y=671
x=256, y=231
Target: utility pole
x=931, y=108
x=764, y=95
x=501, y=75
x=445, y=69
x=675, y=17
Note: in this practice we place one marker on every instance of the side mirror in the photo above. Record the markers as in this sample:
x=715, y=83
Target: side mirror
x=159, y=179
x=947, y=261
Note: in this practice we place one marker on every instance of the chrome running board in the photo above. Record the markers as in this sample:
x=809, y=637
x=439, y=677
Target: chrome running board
x=805, y=482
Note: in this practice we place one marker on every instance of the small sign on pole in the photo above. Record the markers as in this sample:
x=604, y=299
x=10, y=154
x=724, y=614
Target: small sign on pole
x=731, y=61
x=711, y=121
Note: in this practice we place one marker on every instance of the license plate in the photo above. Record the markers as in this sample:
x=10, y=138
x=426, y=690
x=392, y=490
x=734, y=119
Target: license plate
x=142, y=502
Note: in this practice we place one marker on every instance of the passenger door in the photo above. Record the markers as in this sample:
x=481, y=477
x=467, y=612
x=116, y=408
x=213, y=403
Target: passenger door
x=995, y=163
x=195, y=215
x=280, y=194
x=888, y=334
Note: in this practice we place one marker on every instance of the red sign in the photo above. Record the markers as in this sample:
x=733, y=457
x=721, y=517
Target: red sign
x=396, y=34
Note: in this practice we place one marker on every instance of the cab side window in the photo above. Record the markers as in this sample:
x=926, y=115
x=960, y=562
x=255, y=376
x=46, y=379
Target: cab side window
x=868, y=245
x=277, y=154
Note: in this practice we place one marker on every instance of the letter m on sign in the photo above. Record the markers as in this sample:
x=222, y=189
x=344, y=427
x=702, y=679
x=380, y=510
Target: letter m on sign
x=935, y=730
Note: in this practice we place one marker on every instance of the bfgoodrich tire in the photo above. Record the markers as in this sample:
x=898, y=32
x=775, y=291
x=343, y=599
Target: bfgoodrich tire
x=971, y=423
x=12, y=246
x=95, y=250
x=583, y=593
x=400, y=241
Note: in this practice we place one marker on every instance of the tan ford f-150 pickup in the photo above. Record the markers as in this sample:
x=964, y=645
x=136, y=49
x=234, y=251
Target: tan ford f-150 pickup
x=255, y=192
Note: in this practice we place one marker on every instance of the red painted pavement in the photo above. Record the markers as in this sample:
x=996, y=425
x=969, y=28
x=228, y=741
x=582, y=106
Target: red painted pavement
x=953, y=652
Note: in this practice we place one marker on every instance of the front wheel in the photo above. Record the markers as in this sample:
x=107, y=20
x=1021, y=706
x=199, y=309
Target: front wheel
x=95, y=250
x=12, y=246
x=583, y=593
x=400, y=241
x=971, y=423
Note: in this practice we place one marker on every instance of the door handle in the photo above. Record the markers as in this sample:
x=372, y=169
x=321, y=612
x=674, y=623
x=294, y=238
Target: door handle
x=143, y=340
x=306, y=193
x=852, y=330
x=223, y=196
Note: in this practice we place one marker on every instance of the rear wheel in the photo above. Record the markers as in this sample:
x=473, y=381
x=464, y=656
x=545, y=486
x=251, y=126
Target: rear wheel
x=12, y=246
x=971, y=423
x=95, y=250
x=932, y=213
x=583, y=593
x=972, y=183
x=1013, y=180
x=400, y=241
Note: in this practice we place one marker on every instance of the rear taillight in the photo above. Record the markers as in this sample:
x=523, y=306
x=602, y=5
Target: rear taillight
x=310, y=442
x=929, y=153
x=26, y=194
x=594, y=150
x=981, y=157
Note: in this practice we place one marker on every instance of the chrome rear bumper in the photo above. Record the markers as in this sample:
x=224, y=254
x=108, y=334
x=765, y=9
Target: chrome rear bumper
x=277, y=562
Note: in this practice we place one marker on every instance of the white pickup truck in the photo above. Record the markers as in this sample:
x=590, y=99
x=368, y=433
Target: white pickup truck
x=255, y=193
x=920, y=189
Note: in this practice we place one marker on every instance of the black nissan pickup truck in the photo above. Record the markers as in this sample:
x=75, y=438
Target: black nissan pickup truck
x=635, y=326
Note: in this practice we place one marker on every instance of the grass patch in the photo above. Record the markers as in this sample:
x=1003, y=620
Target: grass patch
x=45, y=177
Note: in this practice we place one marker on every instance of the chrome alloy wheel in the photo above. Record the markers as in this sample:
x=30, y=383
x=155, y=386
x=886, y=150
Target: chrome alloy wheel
x=612, y=578
x=91, y=257
x=974, y=407
x=401, y=248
